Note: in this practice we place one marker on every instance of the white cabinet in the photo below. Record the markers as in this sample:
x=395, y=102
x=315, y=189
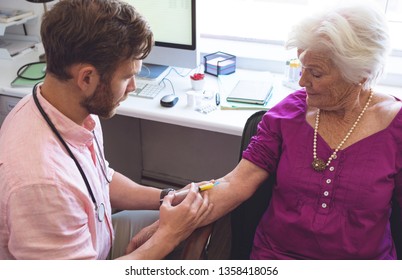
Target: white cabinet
x=3, y=26
x=12, y=45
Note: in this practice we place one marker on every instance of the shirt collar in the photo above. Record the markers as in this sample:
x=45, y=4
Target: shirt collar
x=71, y=132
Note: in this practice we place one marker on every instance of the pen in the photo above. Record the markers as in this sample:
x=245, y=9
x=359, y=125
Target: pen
x=217, y=98
x=233, y=107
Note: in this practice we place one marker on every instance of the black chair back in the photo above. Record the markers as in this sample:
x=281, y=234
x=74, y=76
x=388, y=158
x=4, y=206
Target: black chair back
x=396, y=228
x=245, y=218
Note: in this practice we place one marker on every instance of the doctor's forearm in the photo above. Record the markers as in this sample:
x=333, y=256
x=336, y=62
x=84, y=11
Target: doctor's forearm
x=128, y=195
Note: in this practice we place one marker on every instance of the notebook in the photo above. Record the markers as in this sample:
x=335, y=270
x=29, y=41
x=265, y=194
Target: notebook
x=33, y=71
x=153, y=71
x=252, y=92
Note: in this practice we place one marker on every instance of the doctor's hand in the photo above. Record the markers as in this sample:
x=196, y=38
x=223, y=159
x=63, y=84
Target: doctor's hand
x=142, y=236
x=181, y=194
x=181, y=220
x=175, y=224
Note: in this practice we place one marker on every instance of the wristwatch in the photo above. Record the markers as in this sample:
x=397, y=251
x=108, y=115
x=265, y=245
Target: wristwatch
x=164, y=193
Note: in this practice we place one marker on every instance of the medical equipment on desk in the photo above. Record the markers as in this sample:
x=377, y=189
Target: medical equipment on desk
x=203, y=102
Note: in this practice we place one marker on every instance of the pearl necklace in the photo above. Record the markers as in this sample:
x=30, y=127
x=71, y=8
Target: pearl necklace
x=318, y=164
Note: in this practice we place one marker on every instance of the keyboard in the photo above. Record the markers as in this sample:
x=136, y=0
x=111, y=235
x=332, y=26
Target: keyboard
x=146, y=90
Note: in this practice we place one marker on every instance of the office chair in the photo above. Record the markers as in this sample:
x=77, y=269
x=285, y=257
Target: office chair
x=396, y=228
x=197, y=244
x=243, y=219
x=211, y=242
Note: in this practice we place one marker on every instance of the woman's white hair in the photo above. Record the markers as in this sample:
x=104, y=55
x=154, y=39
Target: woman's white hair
x=356, y=36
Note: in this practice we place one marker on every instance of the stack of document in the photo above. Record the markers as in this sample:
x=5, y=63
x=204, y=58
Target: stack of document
x=252, y=92
x=220, y=66
x=9, y=15
x=249, y=95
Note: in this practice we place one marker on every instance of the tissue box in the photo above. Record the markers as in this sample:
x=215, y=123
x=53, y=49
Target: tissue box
x=219, y=63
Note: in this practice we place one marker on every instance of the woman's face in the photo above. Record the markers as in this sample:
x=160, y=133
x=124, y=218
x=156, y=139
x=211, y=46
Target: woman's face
x=326, y=88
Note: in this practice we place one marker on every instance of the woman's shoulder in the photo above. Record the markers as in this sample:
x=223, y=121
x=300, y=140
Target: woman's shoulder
x=387, y=105
x=292, y=105
x=388, y=110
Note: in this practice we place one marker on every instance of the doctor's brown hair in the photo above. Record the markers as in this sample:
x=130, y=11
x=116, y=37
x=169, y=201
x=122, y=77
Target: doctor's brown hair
x=99, y=32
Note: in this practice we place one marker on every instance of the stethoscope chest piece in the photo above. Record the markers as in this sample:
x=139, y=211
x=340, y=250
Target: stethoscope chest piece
x=100, y=212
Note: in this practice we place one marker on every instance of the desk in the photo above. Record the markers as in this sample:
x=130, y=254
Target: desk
x=166, y=146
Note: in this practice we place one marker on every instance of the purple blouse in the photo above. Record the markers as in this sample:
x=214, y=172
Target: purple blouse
x=340, y=213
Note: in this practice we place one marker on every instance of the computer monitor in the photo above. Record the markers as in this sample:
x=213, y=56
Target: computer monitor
x=174, y=25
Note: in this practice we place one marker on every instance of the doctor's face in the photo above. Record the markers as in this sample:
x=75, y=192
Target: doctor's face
x=108, y=94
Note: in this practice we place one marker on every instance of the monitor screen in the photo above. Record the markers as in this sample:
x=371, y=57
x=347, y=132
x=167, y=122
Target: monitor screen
x=173, y=23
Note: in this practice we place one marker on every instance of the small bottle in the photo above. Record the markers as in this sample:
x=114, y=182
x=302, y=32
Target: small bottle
x=297, y=72
x=287, y=69
x=296, y=69
x=292, y=70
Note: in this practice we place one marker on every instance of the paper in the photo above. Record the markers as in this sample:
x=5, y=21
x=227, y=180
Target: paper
x=9, y=15
x=15, y=47
x=223, y=61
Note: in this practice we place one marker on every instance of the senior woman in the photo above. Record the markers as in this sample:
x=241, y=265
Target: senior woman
x=335, y=146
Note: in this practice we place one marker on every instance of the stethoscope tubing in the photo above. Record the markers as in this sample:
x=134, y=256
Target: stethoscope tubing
x=101, y=207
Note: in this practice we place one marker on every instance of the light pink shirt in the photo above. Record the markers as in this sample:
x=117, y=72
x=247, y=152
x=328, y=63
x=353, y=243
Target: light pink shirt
x=46, y=211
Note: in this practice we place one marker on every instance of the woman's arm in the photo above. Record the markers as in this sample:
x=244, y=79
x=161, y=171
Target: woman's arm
x=234, y=188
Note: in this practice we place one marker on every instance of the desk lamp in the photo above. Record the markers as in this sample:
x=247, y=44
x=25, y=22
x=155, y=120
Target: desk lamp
x=41, y=1
x=42, y=56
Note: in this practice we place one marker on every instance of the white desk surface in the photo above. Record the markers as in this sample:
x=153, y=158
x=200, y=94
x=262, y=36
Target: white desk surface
x=223, y=121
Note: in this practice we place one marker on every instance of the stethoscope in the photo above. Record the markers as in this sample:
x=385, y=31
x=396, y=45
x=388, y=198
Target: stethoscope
x=99, y=208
